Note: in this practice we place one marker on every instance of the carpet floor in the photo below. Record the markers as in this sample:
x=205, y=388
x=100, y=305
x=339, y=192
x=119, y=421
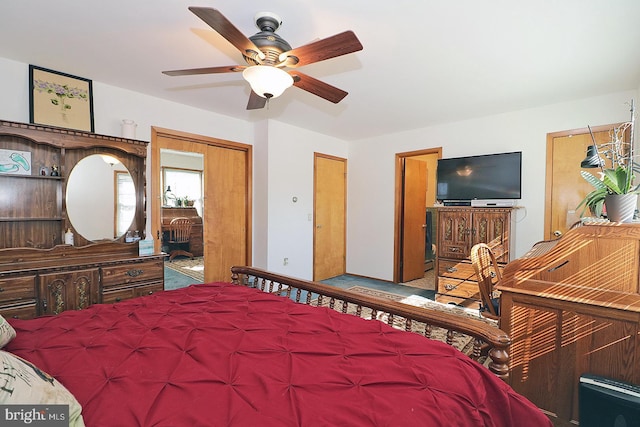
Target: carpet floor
x=176, y=280
x=181, y=272
x=193, y=268
x=427, y=282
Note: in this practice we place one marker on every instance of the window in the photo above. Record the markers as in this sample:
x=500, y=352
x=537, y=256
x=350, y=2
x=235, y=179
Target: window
x=183, y=183
x=125, y=202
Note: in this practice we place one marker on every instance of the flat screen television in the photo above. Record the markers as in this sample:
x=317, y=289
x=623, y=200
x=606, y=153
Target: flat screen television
x=485, y=177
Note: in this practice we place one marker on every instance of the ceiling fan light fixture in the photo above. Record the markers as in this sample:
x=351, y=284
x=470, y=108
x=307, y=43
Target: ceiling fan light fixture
x=110, y=160
x=267, y=81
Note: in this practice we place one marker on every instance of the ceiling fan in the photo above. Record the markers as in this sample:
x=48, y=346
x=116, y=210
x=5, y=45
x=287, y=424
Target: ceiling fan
x=267, y=55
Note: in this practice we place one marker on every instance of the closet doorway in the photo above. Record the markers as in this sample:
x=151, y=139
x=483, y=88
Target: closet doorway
x=415, y=191
x=226, y=201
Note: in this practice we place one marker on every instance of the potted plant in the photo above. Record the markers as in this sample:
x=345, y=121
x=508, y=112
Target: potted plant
x=614, y=188
x=613, y=183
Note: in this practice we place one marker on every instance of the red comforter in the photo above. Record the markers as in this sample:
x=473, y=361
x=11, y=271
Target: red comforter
x=222, y=354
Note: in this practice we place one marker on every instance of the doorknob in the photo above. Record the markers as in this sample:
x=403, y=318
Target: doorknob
x=557, y=233
x=318, y=226
x=424, y=225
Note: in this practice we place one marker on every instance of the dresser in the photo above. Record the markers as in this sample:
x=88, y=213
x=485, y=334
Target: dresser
x=572, y=306
x=458, y=229
x=69, y=199
x=36, y=282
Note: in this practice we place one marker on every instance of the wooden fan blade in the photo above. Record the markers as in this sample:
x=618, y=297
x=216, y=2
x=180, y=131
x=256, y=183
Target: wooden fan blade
x=317, y=87
x=226, y=29
x=256, y=101
x=338, y=45
x=207, y=70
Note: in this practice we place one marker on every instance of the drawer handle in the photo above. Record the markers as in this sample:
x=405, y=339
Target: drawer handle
x=449, y=287
x=454, y=249
x=1, y=289
x=134, y=273
x=451, y=270
x=118, y=299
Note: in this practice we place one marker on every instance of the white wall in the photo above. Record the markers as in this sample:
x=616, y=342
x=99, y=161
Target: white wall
x=372, y=170
x=290, y=174
x=260, y=229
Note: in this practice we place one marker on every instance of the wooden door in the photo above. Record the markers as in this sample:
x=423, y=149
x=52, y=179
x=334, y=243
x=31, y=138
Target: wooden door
x=330, y=201
x=414, y=219
x=226, y=202
x=429, y=156
x=565, y=188
x=226, y=220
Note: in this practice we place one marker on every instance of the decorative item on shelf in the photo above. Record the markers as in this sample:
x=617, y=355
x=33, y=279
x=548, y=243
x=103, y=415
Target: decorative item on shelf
x=614, y=190
x=129, y=129
x=68, y=237
x=187, y=202
x=54, y=170
x=145, y=247
x=132, y=236
x=15, y=162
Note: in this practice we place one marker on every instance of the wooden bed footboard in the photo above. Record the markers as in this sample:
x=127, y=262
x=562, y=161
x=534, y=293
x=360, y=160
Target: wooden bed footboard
x=486, y=338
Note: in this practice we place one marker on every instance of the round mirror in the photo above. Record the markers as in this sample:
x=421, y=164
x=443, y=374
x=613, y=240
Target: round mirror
x=101, y=198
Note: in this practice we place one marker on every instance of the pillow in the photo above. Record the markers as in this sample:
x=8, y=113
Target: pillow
x=22, y=383
x=7, y=333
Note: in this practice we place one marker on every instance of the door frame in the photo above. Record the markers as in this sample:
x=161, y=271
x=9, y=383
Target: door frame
x=198, y=144
x=399, y=203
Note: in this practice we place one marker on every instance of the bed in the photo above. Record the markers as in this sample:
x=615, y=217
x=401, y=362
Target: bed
x=270, y=350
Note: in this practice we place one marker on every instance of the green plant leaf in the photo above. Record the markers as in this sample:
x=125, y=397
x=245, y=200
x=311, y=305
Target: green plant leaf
x=618, y=180
x=591, y=179
x=593, y=201
x=614, y=181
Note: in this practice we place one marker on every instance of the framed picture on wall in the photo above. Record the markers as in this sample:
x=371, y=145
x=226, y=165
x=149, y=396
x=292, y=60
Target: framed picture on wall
x=59, y=99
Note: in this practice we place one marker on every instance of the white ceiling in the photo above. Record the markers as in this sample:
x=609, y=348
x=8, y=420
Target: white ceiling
x=424, y=61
